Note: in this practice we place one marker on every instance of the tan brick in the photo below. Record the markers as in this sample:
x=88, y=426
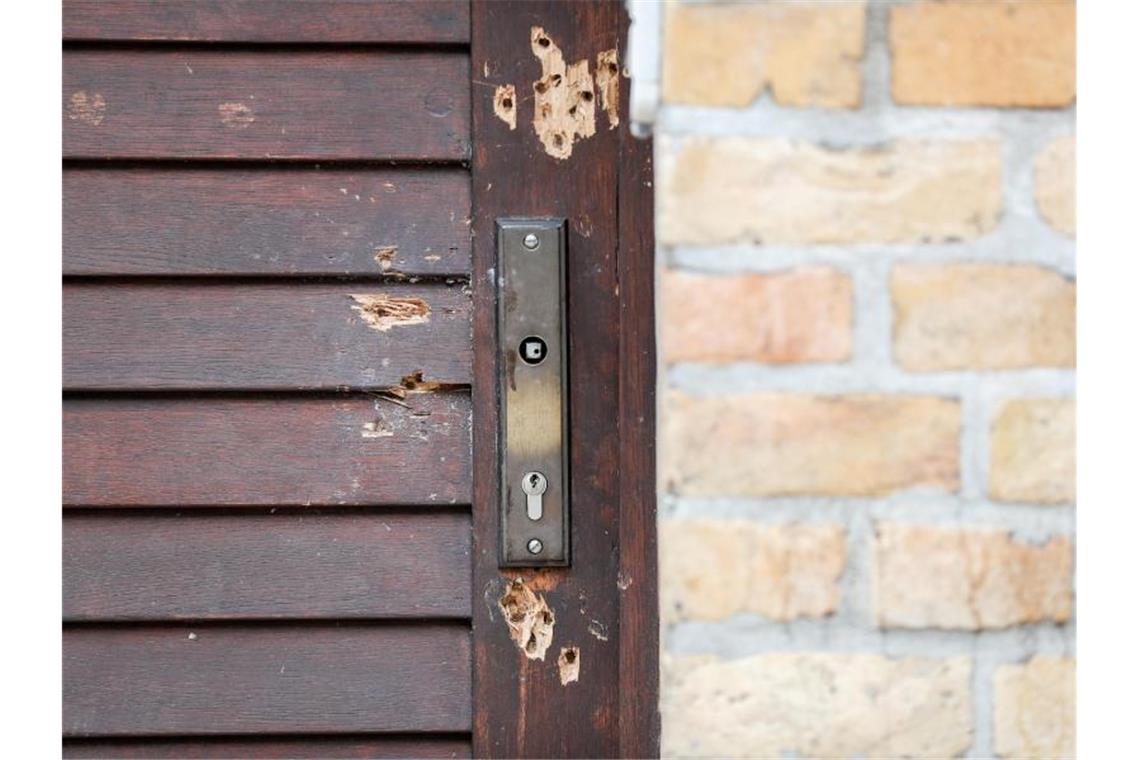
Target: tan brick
x=982, y=316
x=807, y=54
x=960, y=578
x=1055, y=175
x=1035, y=709
x=798, y=316
x=712, y=569
x=1033, y=451
x=989, y=53
x=770, y=444
x=777, y=191
x=818, y=705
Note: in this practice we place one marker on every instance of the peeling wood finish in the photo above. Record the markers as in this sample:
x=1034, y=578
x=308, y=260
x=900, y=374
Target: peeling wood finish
x=191, y=452
x=390, y=21
x=260, y=221
x=308, y=104
x=219, y=336
x=522, y=708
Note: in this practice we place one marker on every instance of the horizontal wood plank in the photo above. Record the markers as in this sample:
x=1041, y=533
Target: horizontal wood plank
x=271, y=749
x=271, y=221
x=265, y=679
x=197, y=103
x=352, y=450
x=287, y=565
x=391, y=21
x=265, y=336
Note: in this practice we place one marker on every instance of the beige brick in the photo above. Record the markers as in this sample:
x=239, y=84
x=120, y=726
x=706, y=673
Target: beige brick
x=982, y=316
x=1035, y=708
x=807, y=54
x=771, y=444
x=988, y=53
x=960, y=578
x=817, y=705
x=712, y=569
x=777, y=191
x=1033, y=451
x=1055, y=174
x=798, y=316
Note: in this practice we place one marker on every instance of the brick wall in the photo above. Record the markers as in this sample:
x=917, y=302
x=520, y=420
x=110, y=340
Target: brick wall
x=865, y=220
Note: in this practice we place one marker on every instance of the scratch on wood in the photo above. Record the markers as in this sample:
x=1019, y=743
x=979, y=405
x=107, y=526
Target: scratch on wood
x=569, y=661
x=563, y=97
x=609, y=84
x=506, y=104
x=383, y=312
x=530, y=622
x=236, y=115
x=87, y=109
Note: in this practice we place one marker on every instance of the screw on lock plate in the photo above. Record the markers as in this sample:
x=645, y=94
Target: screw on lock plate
x=534, y=486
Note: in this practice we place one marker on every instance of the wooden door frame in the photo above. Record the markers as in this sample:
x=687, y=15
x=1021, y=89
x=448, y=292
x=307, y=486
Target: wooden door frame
x=605, y=603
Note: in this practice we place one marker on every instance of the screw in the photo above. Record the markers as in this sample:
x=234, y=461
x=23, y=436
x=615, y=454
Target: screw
x=534, y=546
x=531, y=242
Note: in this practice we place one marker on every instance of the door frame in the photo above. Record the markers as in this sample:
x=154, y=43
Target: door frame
x=605, y=603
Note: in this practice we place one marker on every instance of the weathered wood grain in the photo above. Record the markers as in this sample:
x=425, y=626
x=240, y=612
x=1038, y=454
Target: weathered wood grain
x=293, y=748
x=266, y=221
x=352, y=450
x=518, y=700
x=186, y=679
x=201, y=103
x=392, y=21
x=169, y=566
x=265, y=336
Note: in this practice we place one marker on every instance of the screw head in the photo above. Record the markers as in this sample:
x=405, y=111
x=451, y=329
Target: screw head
x=531, y=241
x=534, y=546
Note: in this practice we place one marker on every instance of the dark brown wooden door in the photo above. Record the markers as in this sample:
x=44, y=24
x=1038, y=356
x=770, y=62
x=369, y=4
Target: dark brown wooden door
x=280, y=455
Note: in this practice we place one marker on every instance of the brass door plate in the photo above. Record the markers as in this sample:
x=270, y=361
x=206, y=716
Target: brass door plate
x=534, y=519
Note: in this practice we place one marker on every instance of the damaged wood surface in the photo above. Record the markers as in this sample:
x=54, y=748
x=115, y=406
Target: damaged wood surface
x=120, y=566
x=269, y=678
x=425, y=746
x=390, y=21
x=283, y=450
x=266, y=221
x=254, y=748
x=522, y=707
x=314, y=104
x=221, y=336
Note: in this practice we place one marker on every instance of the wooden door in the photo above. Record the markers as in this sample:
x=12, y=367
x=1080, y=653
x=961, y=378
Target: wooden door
x=280, y=452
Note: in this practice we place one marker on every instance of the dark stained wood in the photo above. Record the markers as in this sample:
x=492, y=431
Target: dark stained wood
x=267, y=451
x=278, y=749
x=170, y=566
x=195, y=103
x=264, y=336
x=521, y=709
x=395, y=21
x=266, y=221
x=185, y=679
x=637, y=381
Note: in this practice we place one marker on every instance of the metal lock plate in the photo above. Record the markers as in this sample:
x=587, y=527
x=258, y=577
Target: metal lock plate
x=534, y=521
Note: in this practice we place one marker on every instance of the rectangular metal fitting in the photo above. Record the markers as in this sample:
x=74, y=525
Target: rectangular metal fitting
x=534, y=520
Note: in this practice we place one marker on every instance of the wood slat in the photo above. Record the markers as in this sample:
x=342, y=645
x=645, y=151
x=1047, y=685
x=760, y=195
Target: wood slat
x=392, y=21
x=240, y=451
x=292, y=565
x=273, y=221
x=198, y=103
x=275, y=749
x=266, y=336
x=265, y=679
